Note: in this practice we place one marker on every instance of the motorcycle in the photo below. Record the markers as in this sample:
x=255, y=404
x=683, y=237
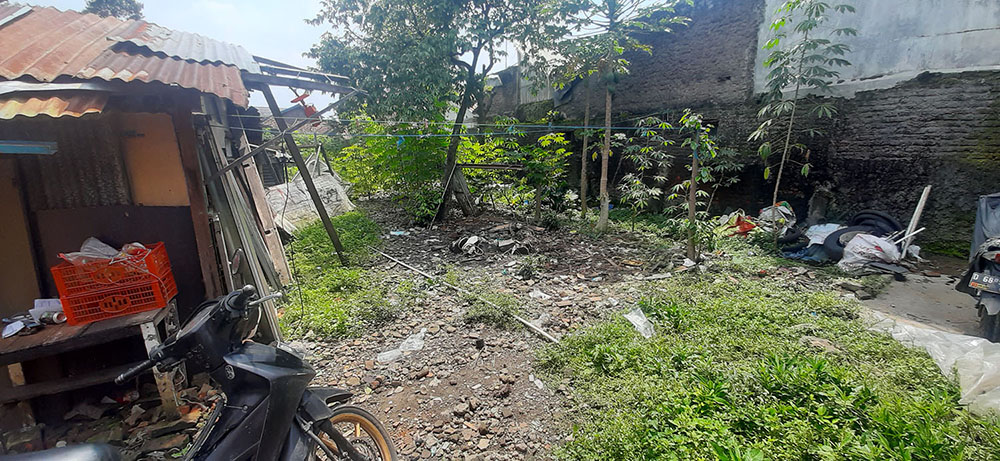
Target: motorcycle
x=982, y=279
x=267, y=411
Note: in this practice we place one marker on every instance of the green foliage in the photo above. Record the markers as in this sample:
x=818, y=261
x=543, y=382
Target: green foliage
x=691, y=214
x=647, y=151
x=612, y=28
x=335, y=300
x=416, y=58
x=804, y=60
x=402, y=160
x=121, y=9
x=727, y=377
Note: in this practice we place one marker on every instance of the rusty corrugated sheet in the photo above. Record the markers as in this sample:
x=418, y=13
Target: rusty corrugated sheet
x=46, y=44
x=87, y=171
x=53, y=104
x=189, y=46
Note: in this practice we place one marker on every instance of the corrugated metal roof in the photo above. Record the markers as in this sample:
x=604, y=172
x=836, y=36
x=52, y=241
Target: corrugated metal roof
x=46, y=44
x=53, y=104
x=189, y=46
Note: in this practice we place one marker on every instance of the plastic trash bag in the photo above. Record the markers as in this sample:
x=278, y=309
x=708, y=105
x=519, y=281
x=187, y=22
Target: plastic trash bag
x=864, y=249
x=94, y=250
x=975, y=361
x=640, y=322
x=817, y=234
x=778, y=217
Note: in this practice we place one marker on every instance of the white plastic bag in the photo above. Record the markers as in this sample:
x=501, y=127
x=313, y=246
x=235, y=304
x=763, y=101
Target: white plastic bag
x=640, y=322
x=864, y=249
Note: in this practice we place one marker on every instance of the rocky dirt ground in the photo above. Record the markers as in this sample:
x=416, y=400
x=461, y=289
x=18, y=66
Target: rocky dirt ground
x=470, y=392
x=464, y=391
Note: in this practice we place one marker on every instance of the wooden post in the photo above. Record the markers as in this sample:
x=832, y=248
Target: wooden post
x=306, y=176
x=187, y=143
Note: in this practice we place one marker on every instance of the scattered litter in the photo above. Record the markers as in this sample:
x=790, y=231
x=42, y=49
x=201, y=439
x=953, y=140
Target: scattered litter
x=538, y=294
x=864, y=249
x=13, y=328
x=412, y=343
x=640, y=322
x=778, y=217
x=662, y=276
x=398, y=233
x=689, y=263
x=817, y=234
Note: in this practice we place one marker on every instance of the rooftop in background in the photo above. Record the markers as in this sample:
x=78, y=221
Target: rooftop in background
x=49, y=45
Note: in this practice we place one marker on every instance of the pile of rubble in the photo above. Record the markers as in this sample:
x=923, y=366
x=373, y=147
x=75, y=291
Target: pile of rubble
x=135, y=422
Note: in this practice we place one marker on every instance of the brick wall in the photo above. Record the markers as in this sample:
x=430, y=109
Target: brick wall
x=880, y=151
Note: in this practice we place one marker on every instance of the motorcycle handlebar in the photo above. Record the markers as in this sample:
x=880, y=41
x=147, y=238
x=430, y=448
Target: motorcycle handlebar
x=241, y=300
x=134, y=371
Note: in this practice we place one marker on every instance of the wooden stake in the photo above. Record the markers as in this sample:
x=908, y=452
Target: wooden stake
x=293, y=149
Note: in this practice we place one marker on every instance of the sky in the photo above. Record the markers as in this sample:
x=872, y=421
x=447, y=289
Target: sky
x=243, y=22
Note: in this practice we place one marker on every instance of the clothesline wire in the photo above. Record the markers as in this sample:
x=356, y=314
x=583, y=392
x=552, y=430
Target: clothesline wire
x=491, y=125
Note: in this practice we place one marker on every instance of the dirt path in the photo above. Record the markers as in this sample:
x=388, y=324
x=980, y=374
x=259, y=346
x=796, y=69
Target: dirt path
x=932, y=300
x=471, y=392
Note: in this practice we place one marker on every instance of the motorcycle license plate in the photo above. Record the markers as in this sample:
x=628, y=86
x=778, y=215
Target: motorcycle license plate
x=985, y=282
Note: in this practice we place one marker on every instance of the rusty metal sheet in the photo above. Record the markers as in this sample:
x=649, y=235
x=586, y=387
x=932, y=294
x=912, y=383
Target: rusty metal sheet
x=189, y=46
x=47, y=44
x=52, y=104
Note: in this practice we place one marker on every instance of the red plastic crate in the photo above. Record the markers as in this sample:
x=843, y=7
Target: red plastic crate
x=99, y=290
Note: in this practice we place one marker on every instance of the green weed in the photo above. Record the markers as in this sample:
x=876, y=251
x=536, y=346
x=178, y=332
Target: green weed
x=330, y=300
x=726, y=377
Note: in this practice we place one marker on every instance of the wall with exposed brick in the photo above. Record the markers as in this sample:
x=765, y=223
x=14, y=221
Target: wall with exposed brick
x=880, y=150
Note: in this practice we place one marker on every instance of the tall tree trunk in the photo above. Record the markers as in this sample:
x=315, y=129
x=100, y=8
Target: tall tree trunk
x=458, y=186
x=584, y=156
x=692, y=249
x=602, y=221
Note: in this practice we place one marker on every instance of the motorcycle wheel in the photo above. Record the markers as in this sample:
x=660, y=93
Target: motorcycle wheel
x=363, y=430
x=989, y=325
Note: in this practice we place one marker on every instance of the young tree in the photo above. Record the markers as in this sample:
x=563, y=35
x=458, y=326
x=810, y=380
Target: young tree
x=648, y=152
x=702, y=147
x=432, y=52
x=611, y=28
x=121, y=9
x=801, y=62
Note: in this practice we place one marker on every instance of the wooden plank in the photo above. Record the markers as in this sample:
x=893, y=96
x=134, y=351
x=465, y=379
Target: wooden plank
x=915, y=220
x=296, y=83
x=306, y=177
x=187, y=143
x=164, y=380
x=268, y=143
x=265, y=218
x=24, y=411
x=51, y=340
x=56, y=386
x=231, y=194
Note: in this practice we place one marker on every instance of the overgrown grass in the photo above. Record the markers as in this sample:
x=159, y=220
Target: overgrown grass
x=502, y=311
x=729, y=376
x=336, y=300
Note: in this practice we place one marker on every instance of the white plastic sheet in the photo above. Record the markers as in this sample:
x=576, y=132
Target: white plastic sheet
x=976, y=361
x=865, y=248
x=640, y=322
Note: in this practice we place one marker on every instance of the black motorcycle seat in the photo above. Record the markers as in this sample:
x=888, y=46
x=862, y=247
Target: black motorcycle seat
x=83, y=452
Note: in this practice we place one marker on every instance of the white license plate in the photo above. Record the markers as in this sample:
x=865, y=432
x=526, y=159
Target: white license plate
x=985, y=282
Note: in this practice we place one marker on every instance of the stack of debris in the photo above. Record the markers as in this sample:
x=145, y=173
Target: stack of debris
x=134, y=421
x=510, y=238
